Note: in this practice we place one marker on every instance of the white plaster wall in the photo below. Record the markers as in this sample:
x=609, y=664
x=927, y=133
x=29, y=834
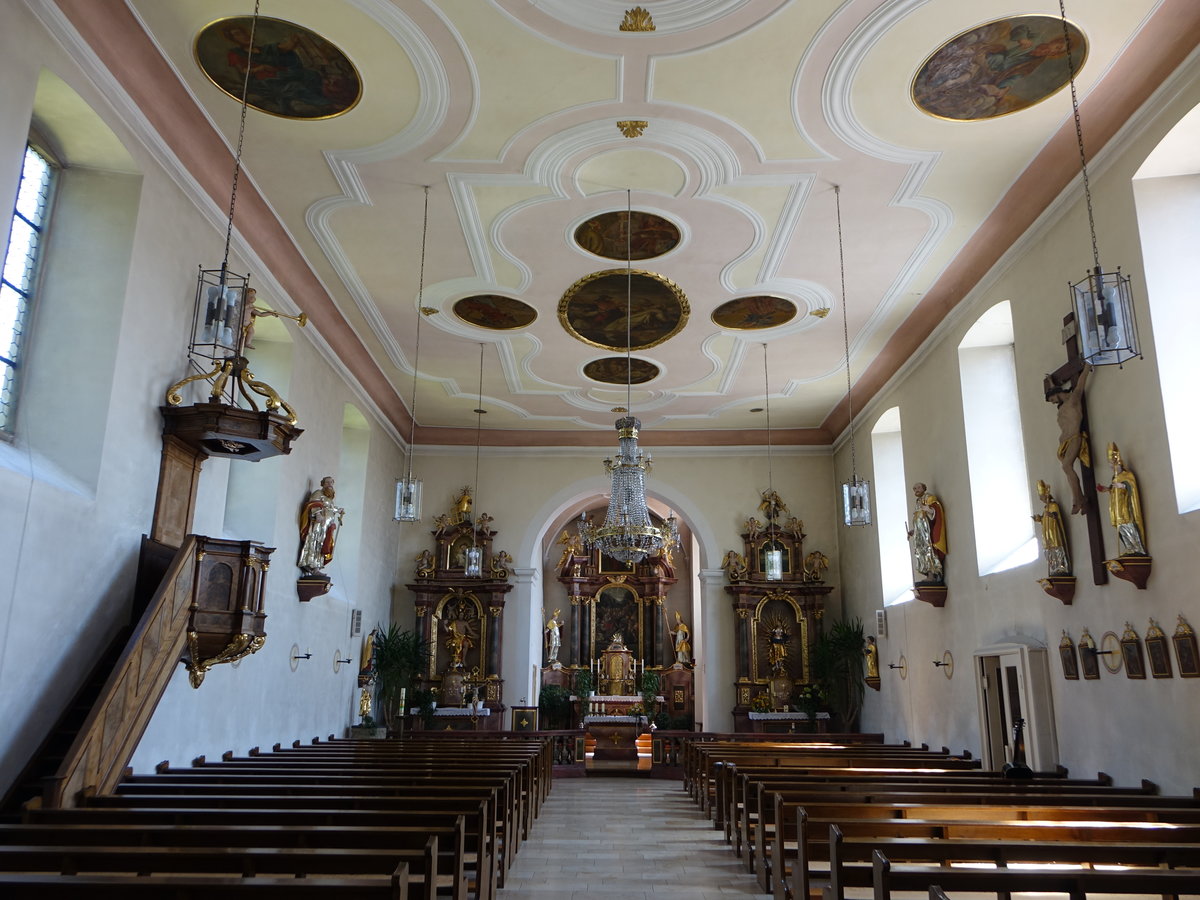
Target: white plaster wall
x=1130, y=728
x=68, y=551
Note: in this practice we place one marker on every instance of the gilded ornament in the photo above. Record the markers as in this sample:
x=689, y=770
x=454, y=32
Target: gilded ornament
x=637, y=19
x=819, y=313
x=632, y=128
x=495, y=611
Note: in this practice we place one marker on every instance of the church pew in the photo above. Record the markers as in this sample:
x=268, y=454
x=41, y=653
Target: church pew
x=418, y=865
x=808, y=841
x=21, y=886
x=1076, y=884
x=486, y=834
x=850, y=861
x=741, y=786
x=511, y=799
x=403, y=828
x=692, y=746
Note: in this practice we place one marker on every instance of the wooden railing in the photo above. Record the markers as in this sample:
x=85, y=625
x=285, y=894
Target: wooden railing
x=111, y=732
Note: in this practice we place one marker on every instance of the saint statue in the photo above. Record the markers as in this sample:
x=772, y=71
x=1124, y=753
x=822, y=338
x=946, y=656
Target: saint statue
x=1054, y=535
x=871, y=651
x=319, y=522
x=928, y=536
x=458, y=641
x=772, y=506
x=553, y=636
x=1125, y=506
x=682, y=637
x=462, y=506
x=777, y=650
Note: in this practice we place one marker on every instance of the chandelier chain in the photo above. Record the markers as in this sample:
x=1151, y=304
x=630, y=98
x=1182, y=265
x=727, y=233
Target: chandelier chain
x=237, y=160
x=1087, y=188
x=412, y=406
x=478, y=434
x=767, y=409
x=837, y=196
x=628, y=301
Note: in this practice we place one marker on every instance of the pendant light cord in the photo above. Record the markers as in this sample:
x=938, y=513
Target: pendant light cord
x=412, y=406
x=478, y=431
x=837, y=196
x=237, y=161
x=628, y=302
x=1087, y=188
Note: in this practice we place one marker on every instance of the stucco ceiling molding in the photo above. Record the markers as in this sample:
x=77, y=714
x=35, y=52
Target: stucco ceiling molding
x=670, y=16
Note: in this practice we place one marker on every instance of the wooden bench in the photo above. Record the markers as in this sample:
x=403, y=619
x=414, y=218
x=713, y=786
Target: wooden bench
x=1076, y=884
x=19, y=886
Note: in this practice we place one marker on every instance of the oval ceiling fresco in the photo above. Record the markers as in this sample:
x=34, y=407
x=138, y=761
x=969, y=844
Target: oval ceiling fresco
x=750, y=313
x=593, y=309
x=605, y=235
x=998, y=68
x=495, y=311
x=615, y=370
x=297, y=74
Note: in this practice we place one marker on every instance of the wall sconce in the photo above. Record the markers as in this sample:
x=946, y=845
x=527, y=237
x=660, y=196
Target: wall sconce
x=338, y=662
x=296, y=656
x=946, y=664
x=902, y=666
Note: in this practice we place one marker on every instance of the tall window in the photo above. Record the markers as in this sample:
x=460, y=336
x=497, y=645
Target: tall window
x=20, y=275
x=1000, y=484
x=891, y=505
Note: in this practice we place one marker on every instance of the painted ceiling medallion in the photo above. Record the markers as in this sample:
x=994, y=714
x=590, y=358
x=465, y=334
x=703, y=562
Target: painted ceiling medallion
x=297, y=73
x=998, y=68
x=495, y=312
x=604, y=235
x=612, y=370
x=751, y=313
x=593, y=309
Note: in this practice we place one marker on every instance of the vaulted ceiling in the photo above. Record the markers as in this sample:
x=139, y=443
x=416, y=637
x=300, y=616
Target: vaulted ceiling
x=754, y=111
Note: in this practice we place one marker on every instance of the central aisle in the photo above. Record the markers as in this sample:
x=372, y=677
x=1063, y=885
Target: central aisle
x=637, y=838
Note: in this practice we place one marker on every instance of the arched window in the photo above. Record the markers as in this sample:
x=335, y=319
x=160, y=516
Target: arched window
x=1000, y=484
x=1166, y=190
x=31, y=213
x=891, y=506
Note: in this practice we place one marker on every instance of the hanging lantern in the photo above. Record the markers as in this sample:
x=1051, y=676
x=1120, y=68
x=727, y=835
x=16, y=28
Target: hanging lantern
x=474, y=566
x=773, y=562
x=1104, y=317
x=856, y=502
x=408, y=500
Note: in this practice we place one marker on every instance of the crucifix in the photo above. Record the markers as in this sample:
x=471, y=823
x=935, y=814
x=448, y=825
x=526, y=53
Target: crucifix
x=1064, y=387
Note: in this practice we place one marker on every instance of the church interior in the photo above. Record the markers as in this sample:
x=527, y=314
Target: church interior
x=329, y=318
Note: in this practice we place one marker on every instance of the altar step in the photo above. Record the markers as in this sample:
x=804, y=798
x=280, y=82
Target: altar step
x=622, y=767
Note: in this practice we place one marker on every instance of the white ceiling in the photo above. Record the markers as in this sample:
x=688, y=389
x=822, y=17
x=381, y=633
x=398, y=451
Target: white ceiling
x=507, y=109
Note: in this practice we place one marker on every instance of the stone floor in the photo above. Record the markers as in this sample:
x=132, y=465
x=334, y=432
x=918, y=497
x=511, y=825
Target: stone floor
x=635, y=838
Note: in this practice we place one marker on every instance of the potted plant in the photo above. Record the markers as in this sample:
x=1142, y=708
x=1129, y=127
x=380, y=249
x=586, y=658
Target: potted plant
x=650, y=682
x=555, y=706
x=838, y=659
x=400, y=658
x=583, y=684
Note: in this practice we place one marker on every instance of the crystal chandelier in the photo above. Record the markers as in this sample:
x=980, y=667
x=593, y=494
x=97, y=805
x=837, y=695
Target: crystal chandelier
x=628, y=534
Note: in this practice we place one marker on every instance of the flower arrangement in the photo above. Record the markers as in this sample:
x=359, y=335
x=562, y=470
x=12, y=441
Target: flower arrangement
x=761, y=702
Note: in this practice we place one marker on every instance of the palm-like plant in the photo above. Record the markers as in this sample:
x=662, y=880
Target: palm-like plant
x=400, y=658
x=838, y=659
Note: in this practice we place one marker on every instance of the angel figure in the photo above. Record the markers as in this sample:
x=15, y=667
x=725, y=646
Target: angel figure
x=795, y=528
x=753, y=528
x=483, y=522
x=815, y=565
x=572, y=545
x=734, y=566
x=500, y=563
x=442, y=523
x=772, y=506
x=424, y=564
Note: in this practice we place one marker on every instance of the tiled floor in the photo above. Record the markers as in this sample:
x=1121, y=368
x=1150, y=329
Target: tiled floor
x=635, y=838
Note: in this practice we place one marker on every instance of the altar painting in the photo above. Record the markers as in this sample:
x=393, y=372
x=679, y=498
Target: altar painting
x=617, y=613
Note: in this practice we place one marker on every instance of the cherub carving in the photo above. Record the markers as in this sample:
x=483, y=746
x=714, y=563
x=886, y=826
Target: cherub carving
x=424, y=564
x=815, y=565
x=734, y=566
x=442, y=523
x=753, y=528
x=795, y=528
x=500, y=563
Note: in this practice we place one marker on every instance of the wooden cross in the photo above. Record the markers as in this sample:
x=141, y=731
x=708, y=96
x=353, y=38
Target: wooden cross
x=1066, y=376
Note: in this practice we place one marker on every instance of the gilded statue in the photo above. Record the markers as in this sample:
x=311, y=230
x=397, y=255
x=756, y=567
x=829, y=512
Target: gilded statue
x=364, y=704
x=871, y=651
x=553, y=636
x=462, y=507
x=1072, y=439
x=795, y=528
x=424, y=564
x=1054, y=535
x=928, y=536
x=777, y=649
x=681, y=636
x=1124, y=506
x=320, y=519
x=572, y=545
x=458, y=641
x=734, y=566
x=772, y=507
x=753, y=528
x=815, y=565
x=500, y=563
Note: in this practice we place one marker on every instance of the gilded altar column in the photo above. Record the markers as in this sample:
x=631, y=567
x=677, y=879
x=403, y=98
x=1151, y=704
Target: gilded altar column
x=495, y=629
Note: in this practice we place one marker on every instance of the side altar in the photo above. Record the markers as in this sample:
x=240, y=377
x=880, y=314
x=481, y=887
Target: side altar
x=460, y=588
x=778, y=595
